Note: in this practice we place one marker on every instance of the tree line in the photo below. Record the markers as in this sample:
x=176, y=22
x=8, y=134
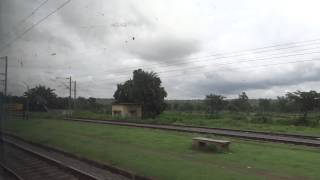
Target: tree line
x=145, y=89
x=301, y=102
x=42, y=99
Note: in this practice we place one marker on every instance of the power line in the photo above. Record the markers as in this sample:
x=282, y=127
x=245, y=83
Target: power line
x=27, y=17
x=240, y=68
x=230, y=63
x=124, y=73
x=284, y=54
x=253, y=67
x=34, y=25
x=238, y=53
x=218, y=58
x=244, y=61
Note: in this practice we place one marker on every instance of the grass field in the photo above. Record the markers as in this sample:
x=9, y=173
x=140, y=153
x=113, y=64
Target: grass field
x=281, y=123
x=169, y=155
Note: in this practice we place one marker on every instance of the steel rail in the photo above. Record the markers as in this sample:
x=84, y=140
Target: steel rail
x=11, y=172
x=74, y=171
x=112, y=169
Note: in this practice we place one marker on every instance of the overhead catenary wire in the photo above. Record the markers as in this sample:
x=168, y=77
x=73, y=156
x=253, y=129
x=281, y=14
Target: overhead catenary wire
x=34, y=25
x=281, y=55
x=228, y=63
x=252, y=67
x=237, y=53
x=218, y=58
x=199, y=59
x=27, y=17
x=166, y=75
x=244, y=61
x=262, y=49
x=229, y=68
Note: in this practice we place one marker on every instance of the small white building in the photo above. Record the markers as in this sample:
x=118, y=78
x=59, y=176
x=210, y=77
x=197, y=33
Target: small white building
x=131, y=110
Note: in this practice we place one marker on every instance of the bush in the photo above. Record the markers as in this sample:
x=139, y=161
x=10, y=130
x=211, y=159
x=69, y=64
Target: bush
x=261, y=119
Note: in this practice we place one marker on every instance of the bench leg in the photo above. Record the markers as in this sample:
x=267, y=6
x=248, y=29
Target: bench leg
x=201, y=144
x=198, y=144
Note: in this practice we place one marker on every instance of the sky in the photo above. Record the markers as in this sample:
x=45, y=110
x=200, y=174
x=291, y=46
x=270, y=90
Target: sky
x=265, y=48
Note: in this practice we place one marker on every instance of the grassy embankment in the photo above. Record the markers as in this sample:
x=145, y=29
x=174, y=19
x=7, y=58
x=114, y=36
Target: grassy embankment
x=168, y=155
x=275, y=122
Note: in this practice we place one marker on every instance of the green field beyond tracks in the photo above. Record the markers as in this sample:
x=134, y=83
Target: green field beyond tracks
x=169, y=155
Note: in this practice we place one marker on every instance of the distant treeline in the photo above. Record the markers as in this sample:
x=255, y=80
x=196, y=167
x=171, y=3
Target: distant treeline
x=41, y=98
x=268, y=105
x=214, y=103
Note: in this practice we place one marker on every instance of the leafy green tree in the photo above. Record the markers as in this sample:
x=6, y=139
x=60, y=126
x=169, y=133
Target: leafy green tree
x=41, y=98
x=232, y=107
x=93, y=104
x=145, y=89
x=175, y=106
x=306, y=101
x=92, y=100
x=264, y=105
x=124, y=92
x=60, y=103
x=242, y=103
x=214, y=103
x=186, y=107
x=282, y=103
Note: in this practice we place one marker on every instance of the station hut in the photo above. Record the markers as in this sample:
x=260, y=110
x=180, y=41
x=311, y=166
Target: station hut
x=130, y=110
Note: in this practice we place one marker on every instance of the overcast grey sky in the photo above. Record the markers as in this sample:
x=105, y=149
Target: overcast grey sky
x=188, y=42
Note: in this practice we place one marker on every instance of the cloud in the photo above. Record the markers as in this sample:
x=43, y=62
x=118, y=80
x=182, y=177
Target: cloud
x=164, y=48
x=230, y=85
x=93, y=42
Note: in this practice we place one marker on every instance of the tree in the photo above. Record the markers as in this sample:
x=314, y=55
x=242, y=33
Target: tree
x=282, y=103
x=93, y=104
x=175, y=106
x=40, y=98
x=60, y=103
x=186, y=107
x=306, y=101
x=124, y=92
x=214, y=103
x=242, y=103
x=264, y=105
x=145, y=89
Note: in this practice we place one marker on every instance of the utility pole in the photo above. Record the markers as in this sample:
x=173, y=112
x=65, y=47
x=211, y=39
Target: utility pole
x=27, y=104
x=69, y=102
x=4, y=100
x=6, y=76
x=75, y=94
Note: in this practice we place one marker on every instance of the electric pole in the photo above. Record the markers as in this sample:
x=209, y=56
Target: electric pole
x=3, y=100
x=69, y=102
x=6, y=75
x=27, y=103
x=75, y=94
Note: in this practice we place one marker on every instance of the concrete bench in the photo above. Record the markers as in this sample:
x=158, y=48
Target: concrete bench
x=200, y=142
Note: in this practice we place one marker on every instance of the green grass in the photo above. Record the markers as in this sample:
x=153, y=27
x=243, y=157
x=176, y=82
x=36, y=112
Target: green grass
x=168, y=155
x=277, y=122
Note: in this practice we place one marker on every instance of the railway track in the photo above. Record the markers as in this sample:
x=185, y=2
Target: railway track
x=29, y=166
x=23, y=160
x=8, y=174
x=263, y=136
